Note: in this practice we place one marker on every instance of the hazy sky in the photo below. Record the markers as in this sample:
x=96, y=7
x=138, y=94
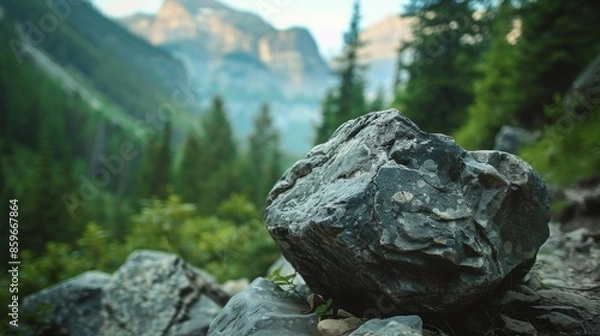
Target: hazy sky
x=326, y=19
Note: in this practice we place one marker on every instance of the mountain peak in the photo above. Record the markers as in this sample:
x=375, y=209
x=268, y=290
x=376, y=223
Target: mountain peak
x=221, y=46
x=384, y=37
x=191, y=19
x=196, y=5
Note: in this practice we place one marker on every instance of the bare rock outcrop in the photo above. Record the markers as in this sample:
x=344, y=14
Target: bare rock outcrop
x=386, y=219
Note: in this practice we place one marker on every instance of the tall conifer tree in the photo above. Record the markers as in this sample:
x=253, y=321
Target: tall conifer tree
x=449, y=38
x=264, y=156
x=347, y=101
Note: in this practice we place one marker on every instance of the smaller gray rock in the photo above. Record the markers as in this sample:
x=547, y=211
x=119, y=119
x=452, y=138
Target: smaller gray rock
x=72, y=306
x=156, y=293
x=567, y=310
x=201, y=314
x=517, y=327
x=511, y=297
x=409, y=325
x=511, y=139
x=334, y=327
x=561, y=321
x=263, y=310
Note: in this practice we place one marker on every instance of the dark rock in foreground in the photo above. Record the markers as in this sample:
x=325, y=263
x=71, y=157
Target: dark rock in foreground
x=583, y=209
x=153, y=293
x=386, y=219
x=394, y=326
x=71, y=307
x=156, y=293
x=262, y=309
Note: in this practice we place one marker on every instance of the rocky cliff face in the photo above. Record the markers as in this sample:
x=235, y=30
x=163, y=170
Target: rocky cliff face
x=384, y=38
x=139, y=24
x=380, y=52
x=221, y=46
x=244, y=59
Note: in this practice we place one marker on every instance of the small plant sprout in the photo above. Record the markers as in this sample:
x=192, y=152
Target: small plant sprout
x=285, y=282
x=325, y=310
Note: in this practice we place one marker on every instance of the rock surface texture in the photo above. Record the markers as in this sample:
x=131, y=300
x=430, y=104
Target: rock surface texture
x=386, y=219
x=393, y=326
x=72, y=306
x=262, y=309
x=156, y=293
x=153, y=293
x=560, y=296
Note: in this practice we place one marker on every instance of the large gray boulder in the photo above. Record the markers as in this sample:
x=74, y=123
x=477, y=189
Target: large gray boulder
x=156, y=293
x=386, y=219
x=263, y=310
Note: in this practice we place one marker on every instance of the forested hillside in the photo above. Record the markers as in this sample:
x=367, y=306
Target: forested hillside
x=107, y=153
x=115, y=61
x=477, y=67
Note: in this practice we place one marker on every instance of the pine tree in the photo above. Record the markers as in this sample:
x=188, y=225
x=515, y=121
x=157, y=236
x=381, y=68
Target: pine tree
x=191, y=170
x=263, y=161
x=347, y=101
x=218, y=159
x=328, y=120
x=163, y=172
x=378, y=103
x=218, y=135
x=537, y=51
x=449, y=37
x=156, y=173
x=351, y=98
x=41, y=221
x=486, y=115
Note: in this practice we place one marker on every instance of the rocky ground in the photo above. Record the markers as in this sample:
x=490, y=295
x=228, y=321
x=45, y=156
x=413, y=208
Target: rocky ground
x=559, y=296
x=561, y=293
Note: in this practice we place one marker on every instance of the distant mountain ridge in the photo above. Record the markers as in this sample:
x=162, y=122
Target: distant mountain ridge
x=382, y=41
x=222, y=47
x=243, y=58
x=384, y=37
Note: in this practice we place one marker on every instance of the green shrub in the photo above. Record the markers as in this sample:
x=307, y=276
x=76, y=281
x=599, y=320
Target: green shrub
x=569, y=148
